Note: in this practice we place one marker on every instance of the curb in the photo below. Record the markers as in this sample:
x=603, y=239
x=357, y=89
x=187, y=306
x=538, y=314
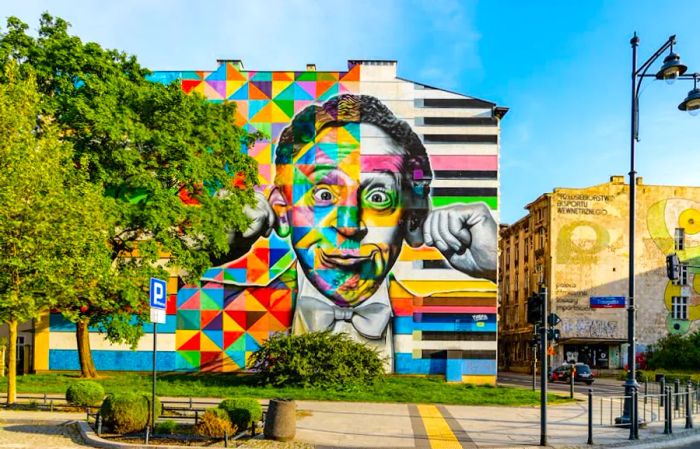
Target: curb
x=658, y=442
x=90, y=437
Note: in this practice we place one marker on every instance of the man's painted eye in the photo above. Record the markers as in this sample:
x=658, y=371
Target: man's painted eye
x=323, y=196
x=379, y=199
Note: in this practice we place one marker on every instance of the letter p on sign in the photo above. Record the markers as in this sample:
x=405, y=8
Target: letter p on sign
x=158, y=293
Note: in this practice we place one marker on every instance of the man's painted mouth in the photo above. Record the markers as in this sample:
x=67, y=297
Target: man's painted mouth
x=343, y=259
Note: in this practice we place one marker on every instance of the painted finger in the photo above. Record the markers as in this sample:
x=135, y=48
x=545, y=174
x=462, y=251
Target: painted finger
x=446, y=233
x=458, y=228
x=427, y=236
x=435, y=233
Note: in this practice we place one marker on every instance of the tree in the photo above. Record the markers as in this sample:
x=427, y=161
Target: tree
x=35, y=188
x=165, y=161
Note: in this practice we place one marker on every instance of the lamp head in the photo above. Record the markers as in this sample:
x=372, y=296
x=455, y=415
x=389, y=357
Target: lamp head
x=691, y=102
x=671, y=69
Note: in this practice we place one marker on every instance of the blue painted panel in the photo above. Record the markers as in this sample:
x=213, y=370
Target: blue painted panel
x=454, y=370
x=479, y=367
x=67, y=359
x=404, y=325
x=59, y=324
x=404, y=363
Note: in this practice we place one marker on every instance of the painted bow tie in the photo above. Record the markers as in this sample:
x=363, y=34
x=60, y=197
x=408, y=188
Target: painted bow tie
x=369, y=320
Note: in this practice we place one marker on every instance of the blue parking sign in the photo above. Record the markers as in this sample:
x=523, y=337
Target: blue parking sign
x=158, y=293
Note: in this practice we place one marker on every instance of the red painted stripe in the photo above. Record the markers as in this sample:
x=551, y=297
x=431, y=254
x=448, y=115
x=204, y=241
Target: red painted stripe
x=455, y=309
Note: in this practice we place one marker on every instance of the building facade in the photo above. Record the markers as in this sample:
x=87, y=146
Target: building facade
x=575, y=243
x=440, y=311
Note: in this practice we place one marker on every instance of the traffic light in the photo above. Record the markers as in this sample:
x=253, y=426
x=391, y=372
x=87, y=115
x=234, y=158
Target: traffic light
x=553, y=334
x=673, y=267
x=535, y=309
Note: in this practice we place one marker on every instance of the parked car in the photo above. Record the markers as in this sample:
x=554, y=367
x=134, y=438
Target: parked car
x=582, y=373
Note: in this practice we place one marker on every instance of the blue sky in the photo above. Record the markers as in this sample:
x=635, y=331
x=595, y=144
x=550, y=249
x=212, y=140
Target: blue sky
x=563, y=68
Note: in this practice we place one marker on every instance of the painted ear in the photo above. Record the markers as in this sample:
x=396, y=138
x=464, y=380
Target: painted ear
x=414, y=228
x=281, y=208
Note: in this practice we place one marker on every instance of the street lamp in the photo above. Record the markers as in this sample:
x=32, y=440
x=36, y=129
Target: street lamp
x=671, y=70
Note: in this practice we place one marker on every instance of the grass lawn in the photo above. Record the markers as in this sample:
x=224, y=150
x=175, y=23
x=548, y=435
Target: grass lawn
x=414, y=389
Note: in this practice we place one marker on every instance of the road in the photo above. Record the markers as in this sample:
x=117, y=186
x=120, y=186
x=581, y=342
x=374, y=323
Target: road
x=600, y=387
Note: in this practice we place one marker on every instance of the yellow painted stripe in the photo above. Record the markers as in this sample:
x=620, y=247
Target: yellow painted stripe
x=41, y=342
x=479, y=379
x=427, y=288
x=438, y=431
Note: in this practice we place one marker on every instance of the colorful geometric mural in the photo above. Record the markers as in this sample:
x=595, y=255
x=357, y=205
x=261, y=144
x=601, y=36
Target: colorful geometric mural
x=376, y=234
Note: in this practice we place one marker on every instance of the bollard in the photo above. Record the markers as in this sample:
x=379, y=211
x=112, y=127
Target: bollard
x=662, y=391
x=99, y=424
x=635, y=414
x=676, y=389
x=147, y=434
x=225, y=438
x=590, y=416
x=571, y=383
x=688, y=410
x=646, y=389
x=667, y=417
x=670, y=410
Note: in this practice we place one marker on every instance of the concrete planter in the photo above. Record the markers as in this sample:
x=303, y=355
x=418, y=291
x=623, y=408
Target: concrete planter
x=281, y=420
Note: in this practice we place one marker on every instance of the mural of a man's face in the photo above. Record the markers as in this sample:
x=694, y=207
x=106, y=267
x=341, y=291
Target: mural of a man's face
x=345, y=207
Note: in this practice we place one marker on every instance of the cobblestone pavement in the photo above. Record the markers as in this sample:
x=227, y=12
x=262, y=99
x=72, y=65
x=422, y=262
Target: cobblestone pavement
x=38, y=430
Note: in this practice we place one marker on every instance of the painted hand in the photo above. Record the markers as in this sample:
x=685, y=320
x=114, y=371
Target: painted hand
x=466, y=235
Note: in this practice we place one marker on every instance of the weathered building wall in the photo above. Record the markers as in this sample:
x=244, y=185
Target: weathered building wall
x=589, y=266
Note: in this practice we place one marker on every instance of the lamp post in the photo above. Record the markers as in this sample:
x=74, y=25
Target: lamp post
x=671, y=70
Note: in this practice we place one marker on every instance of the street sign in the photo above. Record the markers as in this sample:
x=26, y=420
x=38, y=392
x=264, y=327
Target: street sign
x=553, y=319
x=157, y=315
x=158, y=294
x=607, y=302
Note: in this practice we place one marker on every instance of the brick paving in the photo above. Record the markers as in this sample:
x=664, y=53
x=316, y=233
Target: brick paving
x=38, y=430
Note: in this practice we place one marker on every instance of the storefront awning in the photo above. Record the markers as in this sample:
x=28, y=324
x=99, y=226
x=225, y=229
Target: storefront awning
x=591, y=341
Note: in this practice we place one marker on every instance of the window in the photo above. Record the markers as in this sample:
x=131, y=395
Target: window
x=679, y=239
x=682, y=275
x=679, y=307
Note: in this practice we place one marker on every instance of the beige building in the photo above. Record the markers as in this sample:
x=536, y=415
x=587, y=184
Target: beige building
x=575, y=243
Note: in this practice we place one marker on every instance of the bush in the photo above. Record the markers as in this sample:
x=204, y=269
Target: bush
x=85, y=393
x=317, y=359
x=676, y=352
x=242, y=411
x=214, y=424
x=166, y=427
x=127, y=412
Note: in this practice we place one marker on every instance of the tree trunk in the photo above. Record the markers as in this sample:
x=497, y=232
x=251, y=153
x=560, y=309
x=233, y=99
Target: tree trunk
x=82, y=334
x=12, y=363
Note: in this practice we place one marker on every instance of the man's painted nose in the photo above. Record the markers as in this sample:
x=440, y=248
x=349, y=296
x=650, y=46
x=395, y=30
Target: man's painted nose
x=349, y=223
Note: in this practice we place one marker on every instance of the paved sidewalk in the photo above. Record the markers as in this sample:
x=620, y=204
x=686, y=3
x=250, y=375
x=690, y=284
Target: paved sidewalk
x=372, y=425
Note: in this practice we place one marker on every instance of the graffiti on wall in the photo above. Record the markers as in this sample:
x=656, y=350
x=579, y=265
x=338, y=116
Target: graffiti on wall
x=664, y=218
x=590, y=328
x=345, y=195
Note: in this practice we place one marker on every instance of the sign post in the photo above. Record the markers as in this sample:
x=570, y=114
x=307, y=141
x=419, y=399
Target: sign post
x=158, y=300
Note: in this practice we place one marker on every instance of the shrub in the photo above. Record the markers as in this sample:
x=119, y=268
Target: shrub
x=166, y=427
x=214, y=424
x=676, y=352
x=242, y=411
x=127, y=412
x=85, y=393
x=317, y=359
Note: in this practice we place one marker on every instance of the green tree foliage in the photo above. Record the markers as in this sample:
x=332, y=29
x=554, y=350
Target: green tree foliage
x=676, y=352
x=127, y=412
x=38, y=187
x=169, y=166
x=317, y=359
